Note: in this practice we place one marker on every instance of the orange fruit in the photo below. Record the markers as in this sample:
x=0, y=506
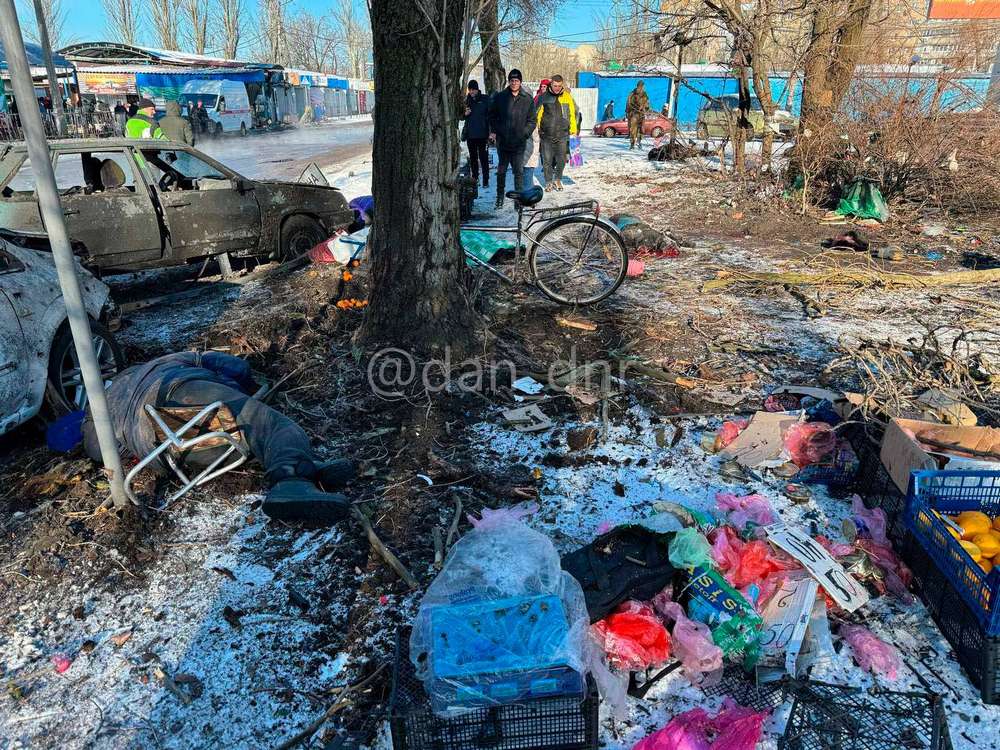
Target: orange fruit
x=974, y=552
x=996, y=523
x=988, y=543
x=986, y=565
x=973, y=522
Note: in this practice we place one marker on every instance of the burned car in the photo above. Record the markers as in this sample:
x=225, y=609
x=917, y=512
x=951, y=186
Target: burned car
x=138, y=204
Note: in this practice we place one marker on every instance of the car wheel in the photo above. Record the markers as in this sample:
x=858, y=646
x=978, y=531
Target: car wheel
x=299, y=235
x=243, y=128
x=609, y=132
x=657, y=132
x=218, y=129
x=64, y=390
x=703, y=131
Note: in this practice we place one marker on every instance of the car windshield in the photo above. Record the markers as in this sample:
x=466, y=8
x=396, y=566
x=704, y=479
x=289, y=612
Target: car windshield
x=191, y=100
x=733, y=102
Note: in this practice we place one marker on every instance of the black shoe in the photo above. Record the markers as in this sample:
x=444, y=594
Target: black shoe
x=486, y=181
x=499, y=203
x=332, y=475
x=298, y=500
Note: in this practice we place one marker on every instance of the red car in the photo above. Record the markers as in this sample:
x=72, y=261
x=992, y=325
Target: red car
x=653, y=125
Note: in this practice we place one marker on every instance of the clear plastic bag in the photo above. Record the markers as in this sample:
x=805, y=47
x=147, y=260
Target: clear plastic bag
x=692, y=642
x=501, y=605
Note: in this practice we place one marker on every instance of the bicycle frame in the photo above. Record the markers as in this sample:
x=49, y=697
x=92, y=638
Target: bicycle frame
x=522, y=229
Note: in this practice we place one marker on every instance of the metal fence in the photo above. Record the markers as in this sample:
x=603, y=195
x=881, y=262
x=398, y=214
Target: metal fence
x=78, y=125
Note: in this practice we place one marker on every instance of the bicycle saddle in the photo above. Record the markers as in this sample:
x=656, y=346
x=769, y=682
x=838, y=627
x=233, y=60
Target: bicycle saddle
x=529, y=197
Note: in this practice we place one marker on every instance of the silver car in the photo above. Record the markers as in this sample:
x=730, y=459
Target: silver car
x=38, y=363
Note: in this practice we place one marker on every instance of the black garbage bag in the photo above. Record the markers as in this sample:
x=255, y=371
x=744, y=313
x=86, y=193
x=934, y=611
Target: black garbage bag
x=629, y=562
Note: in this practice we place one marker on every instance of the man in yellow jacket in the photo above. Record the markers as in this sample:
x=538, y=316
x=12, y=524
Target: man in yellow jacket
x=557, y=121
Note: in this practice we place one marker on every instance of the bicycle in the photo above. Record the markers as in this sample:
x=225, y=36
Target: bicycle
x=575, y=257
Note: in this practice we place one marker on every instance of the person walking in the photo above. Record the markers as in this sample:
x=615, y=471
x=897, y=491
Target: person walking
x=609, y=110
x=557, y=122
x=512, y=119
x=635, y=110
x=143, y=123
x=175, y=127
x=121, y=117
x=476, y=131
x=532, y=144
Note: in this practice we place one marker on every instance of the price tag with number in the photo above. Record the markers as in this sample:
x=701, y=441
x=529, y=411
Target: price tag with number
x=836, y=581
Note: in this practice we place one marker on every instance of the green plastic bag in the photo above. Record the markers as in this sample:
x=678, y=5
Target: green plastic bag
x=864, y=201
x=689, y=549
x=482, y=245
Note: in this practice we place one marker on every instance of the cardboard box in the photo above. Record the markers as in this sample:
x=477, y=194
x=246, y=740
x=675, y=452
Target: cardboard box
x=901, y=454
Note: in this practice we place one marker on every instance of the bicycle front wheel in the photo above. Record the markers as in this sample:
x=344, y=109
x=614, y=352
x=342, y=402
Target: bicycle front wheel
x=578, y=260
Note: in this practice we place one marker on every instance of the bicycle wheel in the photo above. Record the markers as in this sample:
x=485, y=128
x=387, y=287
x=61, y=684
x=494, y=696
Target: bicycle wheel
x=578, y=260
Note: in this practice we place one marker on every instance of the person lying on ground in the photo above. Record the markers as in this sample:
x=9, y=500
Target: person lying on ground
x=193, y=379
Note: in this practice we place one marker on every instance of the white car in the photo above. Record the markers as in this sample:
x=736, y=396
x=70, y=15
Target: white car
x=38, y=363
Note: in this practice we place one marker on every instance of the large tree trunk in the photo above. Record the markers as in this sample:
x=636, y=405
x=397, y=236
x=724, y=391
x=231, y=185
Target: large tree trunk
x=418, y=298
x=493, y=72
x=850, y=48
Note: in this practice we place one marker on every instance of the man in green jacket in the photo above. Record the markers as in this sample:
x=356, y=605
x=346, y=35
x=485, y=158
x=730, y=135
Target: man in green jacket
x=635, y=110
x=143, y=123
x=175, y=127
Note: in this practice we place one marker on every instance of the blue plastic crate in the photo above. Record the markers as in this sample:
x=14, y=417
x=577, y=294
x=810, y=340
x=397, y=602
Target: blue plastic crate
x=950, y=493
x=839, y=471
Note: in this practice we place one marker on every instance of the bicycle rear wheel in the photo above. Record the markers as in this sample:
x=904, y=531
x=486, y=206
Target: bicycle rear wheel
x=578, y=260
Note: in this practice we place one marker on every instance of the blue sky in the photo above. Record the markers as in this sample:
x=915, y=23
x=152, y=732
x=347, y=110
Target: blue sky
x=572, y=25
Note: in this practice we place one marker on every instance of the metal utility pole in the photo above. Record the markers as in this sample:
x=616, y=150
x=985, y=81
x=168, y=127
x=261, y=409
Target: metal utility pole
x=50, y=69
x=52, y=217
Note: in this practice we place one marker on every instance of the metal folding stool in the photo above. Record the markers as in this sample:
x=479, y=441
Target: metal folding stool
x=176, y=440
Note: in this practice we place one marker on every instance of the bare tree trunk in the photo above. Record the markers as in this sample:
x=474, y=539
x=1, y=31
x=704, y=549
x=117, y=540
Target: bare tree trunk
x=816, y=93
x=231, y=21
x=419, y=299
x=849, y=49
x=195, y=17
x=493, y=71
x=122, y=20
x=164, y=16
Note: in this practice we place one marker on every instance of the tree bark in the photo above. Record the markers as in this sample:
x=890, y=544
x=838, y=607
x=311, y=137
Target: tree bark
x=493, y=72
x=418, y=300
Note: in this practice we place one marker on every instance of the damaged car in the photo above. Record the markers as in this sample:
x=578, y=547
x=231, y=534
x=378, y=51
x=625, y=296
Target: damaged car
x=138, y=204
x=38, y=362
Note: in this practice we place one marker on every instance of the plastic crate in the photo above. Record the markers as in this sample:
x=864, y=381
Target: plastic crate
x=873, y=483
x=744, y=688
x=838, y=717
x=951, y=492
x=838, y=474
x=977, y=652
x=557, y=723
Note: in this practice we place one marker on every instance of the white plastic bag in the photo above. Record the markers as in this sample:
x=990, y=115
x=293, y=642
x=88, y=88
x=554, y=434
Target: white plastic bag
x=501, y=623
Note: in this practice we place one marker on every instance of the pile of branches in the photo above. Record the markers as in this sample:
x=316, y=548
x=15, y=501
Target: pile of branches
x=916, y=147
x=962, y=362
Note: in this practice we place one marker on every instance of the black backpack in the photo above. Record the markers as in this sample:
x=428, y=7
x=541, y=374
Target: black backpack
x=629, y=562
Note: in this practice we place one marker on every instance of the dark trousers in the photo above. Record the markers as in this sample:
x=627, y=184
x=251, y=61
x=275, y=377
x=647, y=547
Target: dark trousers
x=514, y=159
x=273, y=439
x=479, y=157
x=554, y=158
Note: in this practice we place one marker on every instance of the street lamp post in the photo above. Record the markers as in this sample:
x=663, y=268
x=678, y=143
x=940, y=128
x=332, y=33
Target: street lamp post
x=52, y=217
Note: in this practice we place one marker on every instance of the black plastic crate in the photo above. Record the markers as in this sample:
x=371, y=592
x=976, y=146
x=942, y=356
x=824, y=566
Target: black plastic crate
x=977, y=652
x=742, y=687
x=873, y=482
x=558, y=723
x=838, y=717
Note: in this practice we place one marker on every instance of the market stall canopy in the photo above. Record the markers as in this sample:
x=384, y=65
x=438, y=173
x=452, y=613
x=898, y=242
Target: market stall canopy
x=36, y=59
x=116, y=53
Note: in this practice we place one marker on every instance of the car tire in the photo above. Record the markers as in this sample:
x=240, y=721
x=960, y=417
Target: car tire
x=703, y=132
x=657, y=132
x=299, y=235
x=64, y=391
x=243, y=128
x=218, y=130
x=609, y=132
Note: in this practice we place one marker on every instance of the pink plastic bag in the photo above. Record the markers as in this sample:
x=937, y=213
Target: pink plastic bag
x=735, y=728
x=872, y=520
x=692, y=642
x=491, y=519
x=743, y=510
x=729, y=432
x=870, y=652
x=635, y=268
x=809, y=442
x=633, y=637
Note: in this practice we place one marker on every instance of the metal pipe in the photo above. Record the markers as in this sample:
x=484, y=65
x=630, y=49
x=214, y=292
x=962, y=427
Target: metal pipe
x=50, y=69
x=62, y=255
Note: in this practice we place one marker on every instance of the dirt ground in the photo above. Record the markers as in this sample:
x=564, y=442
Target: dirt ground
x=202, y=625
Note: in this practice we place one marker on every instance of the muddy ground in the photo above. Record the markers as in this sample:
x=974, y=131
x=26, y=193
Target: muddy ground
x=259, y=625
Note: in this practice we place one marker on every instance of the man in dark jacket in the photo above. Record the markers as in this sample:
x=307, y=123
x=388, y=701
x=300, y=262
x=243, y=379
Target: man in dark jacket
x=175, y=127
x=512, y=120
x=557, y=121
x=476, y=131
x=193, y=379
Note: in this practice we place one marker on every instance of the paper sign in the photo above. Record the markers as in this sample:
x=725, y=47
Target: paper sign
x=761, y=442
x=527, y=419
x=786, y=618
x=836, y=581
